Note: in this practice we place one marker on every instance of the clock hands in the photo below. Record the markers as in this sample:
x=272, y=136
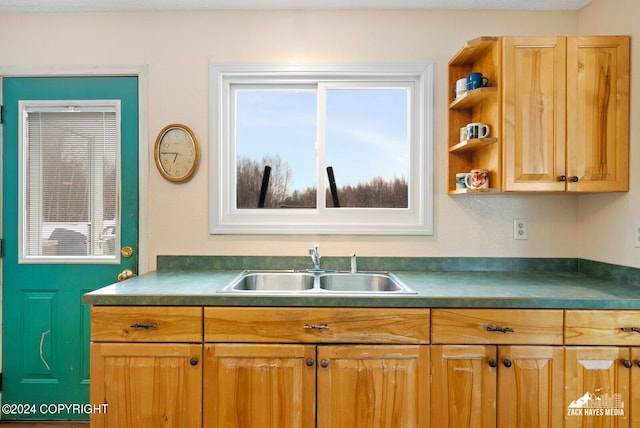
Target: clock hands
x=171, y=153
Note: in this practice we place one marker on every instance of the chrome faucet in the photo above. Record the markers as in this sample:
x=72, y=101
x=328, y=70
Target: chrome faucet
x=354, y=263
x=315, y=257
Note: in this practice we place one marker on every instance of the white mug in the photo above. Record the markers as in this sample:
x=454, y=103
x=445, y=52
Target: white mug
x=461, y=86
x=477, y=130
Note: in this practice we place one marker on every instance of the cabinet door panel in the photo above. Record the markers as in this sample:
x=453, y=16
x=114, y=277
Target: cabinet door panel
x=148, y=385
x=530, y=386
x=373, y=386
x=463, y=386
x=534, y=113
x=259, y=386
x=595, y=380
x=598, y=113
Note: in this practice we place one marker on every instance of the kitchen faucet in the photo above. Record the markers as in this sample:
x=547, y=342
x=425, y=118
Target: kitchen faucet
x=315, y=257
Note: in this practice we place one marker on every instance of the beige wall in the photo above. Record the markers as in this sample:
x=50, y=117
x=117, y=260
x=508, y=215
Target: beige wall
x=606, y=221
x=177, y=48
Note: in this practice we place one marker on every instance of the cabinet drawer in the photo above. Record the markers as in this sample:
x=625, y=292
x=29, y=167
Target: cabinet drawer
x=497, y=326
x=599, y=327
x=316, y=325
x=146, y=324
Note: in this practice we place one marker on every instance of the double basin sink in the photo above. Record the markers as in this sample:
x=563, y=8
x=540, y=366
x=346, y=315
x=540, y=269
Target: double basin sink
x=317, y=283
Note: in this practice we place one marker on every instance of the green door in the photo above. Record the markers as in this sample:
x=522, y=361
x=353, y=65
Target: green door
x=70, y=204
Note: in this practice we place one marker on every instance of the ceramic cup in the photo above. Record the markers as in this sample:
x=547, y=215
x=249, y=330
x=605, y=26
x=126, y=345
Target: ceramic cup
x=477, y=179
x=463, y=134
x=476, y=80
x=461, y=86
x=477, y=130
x=460, y=180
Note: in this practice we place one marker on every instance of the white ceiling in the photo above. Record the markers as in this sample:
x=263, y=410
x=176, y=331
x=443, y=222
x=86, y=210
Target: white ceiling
x=147, y=5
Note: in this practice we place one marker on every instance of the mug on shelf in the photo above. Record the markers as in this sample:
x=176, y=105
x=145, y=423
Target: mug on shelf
x=477, y=179
x=463, y=134
x=476, y=80
x=477, y=130
x=461, y=86
x=460, y=180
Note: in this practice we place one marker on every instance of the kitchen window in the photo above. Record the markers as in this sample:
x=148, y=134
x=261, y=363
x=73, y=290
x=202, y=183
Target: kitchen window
x=321, y=149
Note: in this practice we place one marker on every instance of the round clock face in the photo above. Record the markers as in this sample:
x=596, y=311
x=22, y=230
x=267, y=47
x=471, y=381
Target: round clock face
x=176, y=153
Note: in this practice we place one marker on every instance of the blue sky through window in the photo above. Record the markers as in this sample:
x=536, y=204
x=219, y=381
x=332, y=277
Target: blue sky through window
x=367, y=132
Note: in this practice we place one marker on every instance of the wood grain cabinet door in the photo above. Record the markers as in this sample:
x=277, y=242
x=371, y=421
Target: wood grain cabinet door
x=598, y=113
x=365, y=386
x=534, y=113
x=147, y=385
x=597, y=381
x=463, y=386
x=259, y=386
x=530, y=386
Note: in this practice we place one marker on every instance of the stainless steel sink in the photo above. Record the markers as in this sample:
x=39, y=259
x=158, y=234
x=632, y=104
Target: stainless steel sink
x=318, y=283
x=361, y=283
x=272, y=282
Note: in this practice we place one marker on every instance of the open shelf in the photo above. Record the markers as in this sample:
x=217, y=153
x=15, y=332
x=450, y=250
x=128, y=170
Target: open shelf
x=472, y=98
x=473, y=144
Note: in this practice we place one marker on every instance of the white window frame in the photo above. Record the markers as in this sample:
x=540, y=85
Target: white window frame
x=225, y=218
x=23, y=222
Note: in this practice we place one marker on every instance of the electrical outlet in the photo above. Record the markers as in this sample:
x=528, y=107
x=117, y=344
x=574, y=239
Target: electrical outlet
x=520, y=229
x=636, y=234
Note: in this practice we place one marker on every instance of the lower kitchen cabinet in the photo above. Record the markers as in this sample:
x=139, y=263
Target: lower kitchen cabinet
x=147, y=385
x=602, y=368
x=316, y=367
x=497, y=368
x=368, y=386
x=279, y=385
x=261, y=386
x=486, y=386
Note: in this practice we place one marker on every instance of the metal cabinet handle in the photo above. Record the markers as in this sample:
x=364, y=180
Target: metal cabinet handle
x=493, y=362
x=310, y=362
x=627, y=363
x=324, y=364
x=575, y=179
x=630, y=329
x=507, y=362
x=145, y=326
x=563, y=178
x=505, y=329
x=317, y=327
x=193, y=361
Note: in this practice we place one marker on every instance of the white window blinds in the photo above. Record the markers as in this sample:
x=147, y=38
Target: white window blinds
x=71, y=186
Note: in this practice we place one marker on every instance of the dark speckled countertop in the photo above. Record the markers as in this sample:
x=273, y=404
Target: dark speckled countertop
x=439, y=282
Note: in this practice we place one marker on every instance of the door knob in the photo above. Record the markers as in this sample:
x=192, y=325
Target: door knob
x=126, y=251
x=126, y=274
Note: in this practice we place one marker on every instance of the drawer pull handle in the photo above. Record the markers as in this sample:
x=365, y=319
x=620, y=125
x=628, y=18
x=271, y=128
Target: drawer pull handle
x=317, y=327
x=507, y=362
x=505, y=329
x=146, y=326
x=630, y=329
x=193, y=361
x=627, y=363
x=324, y=364
x=310, y=362
x=493, y=363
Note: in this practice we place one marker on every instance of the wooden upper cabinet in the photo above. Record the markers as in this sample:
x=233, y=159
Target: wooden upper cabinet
x=558, y=111
x=534, y=113
x=566, y=113
x=598, y=113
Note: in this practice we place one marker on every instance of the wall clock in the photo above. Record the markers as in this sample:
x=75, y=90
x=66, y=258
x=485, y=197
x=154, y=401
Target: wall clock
x=176, y=152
